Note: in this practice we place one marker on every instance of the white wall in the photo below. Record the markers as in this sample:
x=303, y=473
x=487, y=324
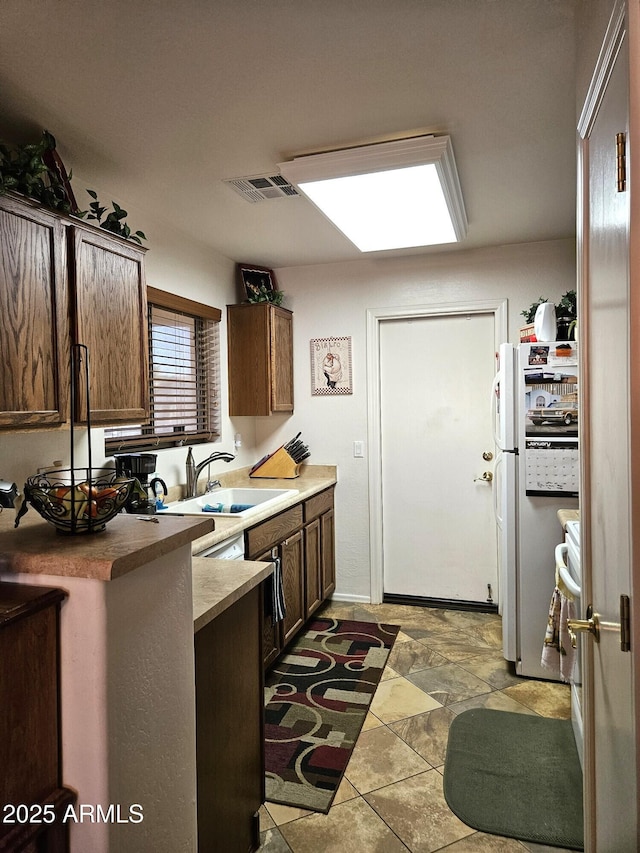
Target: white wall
x=332, y=300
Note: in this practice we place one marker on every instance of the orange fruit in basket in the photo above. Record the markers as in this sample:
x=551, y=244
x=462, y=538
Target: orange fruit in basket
x=60, y=493
x=88, y=490
x=106, y=494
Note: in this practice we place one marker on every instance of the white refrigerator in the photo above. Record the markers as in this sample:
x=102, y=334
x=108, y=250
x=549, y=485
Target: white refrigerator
x=535, y=412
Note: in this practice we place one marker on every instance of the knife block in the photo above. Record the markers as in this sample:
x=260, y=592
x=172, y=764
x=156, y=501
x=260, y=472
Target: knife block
x=277, y=466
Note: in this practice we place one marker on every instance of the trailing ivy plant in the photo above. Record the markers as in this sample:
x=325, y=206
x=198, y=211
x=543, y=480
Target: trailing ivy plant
x=114, y=220
x=35, y=171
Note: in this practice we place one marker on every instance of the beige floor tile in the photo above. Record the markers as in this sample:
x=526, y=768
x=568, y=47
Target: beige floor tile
x=547, y=698
x=398, y=698
x=266, y=821
x=388, y=673
x=402, y=638
x=427, y=734
x=417, y=812
x=371, y=722
x=497, y=701
x=345, y=792
x=381, y=757
x=272, y=841
x=493, y=669
x=480, y=842
x=283, y=814
x=413, y=656
x=449, y=683
x=352, y=826
x=458, y=647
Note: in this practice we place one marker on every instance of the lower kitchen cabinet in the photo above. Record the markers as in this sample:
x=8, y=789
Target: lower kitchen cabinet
x=30, y=752
x=230, y=727
x=303, y=538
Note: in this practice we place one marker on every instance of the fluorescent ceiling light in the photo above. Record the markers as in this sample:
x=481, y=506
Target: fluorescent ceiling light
x=390, y=195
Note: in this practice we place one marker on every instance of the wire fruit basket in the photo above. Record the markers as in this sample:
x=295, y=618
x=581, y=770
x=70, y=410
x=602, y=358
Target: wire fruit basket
x=77, y=500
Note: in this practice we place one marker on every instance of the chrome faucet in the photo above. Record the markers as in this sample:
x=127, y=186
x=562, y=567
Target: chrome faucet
x=194, y=471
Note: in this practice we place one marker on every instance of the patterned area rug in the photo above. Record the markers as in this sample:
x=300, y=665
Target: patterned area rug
x=317, y=697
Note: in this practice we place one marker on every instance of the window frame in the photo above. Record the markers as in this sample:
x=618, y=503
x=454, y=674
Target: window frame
x=199, y=312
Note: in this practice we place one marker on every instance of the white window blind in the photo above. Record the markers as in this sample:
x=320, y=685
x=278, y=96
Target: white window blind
x=184, y=377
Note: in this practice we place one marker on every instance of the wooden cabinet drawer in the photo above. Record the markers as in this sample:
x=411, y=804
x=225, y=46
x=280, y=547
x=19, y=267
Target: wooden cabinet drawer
x=272, y=532
x=318, y=504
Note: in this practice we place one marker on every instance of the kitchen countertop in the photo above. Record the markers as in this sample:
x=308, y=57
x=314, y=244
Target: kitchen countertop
x=35, y=547
x=565, y=515
x=217, y=584
x=127, y=543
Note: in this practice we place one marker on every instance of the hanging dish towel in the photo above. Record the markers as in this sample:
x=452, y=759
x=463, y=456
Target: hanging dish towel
x=279, y=608
x=558, y=653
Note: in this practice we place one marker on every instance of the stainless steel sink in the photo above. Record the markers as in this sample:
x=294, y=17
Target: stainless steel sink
x=230, y=503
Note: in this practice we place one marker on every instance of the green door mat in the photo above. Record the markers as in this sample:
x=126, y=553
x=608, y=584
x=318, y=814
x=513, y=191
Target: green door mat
x=517, y=775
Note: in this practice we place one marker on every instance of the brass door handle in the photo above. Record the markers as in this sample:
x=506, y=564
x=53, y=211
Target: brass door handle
x=486, y=477
x=591, y=625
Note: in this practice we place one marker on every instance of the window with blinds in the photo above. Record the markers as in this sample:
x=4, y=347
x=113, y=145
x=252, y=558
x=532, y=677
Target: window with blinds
x=184, y=377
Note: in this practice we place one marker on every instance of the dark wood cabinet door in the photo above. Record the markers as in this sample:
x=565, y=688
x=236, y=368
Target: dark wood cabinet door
x=281, y=360
x=312, y=557
x=260, y=358
x=271, y=630
x=34, y=325
x=292, y=556
x=327, y=528
x=111, y=320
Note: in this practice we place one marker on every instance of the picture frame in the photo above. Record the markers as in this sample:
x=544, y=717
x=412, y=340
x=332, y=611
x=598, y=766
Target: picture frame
x=331, y=370
x=255, y=280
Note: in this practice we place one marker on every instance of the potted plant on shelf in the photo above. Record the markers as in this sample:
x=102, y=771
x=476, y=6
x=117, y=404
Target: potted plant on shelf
x=566, y=315
x=527, y=334
x=36, y=171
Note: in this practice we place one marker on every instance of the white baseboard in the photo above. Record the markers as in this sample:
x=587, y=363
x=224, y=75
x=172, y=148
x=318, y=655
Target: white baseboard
x=356, y=599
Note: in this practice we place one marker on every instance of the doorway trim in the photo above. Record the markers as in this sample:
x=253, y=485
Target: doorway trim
x=376, y=316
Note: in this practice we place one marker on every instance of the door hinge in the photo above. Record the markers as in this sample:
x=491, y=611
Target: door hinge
x=621, y=161
x=625, y=623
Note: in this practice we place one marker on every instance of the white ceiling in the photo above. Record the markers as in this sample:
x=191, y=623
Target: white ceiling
x=157, y=102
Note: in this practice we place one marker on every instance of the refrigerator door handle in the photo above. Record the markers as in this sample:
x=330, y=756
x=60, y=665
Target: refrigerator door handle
x=495, y=385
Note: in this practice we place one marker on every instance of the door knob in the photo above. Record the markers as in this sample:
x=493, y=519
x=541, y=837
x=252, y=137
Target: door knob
x=486, y=477
x=487, y=456
x=591, y=625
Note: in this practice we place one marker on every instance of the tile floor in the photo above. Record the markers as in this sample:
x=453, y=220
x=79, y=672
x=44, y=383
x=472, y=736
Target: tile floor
x=390, y=799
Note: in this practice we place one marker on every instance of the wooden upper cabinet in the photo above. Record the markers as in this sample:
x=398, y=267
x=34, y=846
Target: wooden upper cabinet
x=34, y=327
x=111, y=321
x=260, y=352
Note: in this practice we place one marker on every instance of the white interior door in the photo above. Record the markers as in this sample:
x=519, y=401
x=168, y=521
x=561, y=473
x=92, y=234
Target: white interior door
x=610, y=745
x=438, y=526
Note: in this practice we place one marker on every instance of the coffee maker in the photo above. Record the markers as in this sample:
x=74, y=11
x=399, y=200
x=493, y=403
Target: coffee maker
x=141, y=466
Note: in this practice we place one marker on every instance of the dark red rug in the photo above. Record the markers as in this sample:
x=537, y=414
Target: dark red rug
x=317, y=697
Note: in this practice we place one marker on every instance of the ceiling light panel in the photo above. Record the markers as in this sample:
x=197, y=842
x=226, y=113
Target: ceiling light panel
x=389, y=195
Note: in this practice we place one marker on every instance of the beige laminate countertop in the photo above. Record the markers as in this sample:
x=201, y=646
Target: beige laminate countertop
x=565, y=515
x=35, y=547
x=312, y=479
x=217, y=584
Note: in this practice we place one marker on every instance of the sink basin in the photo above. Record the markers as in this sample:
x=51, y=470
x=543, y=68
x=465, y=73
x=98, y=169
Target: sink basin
x=233, y=503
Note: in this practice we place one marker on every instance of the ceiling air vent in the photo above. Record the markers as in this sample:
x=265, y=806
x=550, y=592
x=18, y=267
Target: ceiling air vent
x=263, y=187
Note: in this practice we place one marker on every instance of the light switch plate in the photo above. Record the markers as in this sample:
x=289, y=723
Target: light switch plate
x=358, y=449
